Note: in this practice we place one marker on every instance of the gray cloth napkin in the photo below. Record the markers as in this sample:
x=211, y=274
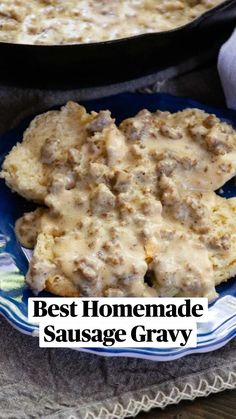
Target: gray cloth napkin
x=59, y=383
x=63, y=383
x=227, y=70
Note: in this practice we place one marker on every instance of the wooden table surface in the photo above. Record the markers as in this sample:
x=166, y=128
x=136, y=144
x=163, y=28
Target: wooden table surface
x=216, y=406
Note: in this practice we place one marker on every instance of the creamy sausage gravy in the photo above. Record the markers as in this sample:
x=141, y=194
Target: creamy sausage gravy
x=129, y=210
x=49, y=22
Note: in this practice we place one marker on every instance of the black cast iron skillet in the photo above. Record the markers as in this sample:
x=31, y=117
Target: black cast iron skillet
x=103, y=63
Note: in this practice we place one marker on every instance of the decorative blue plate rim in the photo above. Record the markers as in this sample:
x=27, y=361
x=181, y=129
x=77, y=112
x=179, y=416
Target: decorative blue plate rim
x=221, y=325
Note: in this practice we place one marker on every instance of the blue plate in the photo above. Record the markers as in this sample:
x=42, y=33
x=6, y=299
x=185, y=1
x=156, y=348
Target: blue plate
x=14, y=294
